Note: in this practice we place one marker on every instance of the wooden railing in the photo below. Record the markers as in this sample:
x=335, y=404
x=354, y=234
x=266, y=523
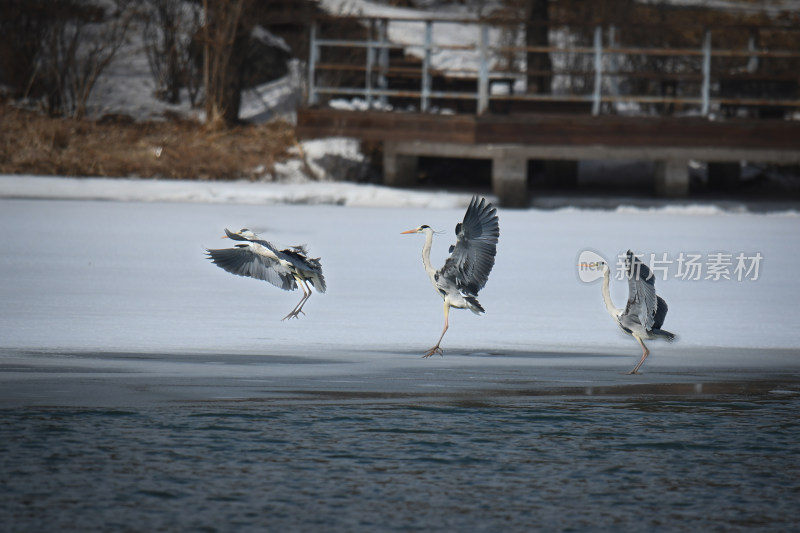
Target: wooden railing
x=698, y=85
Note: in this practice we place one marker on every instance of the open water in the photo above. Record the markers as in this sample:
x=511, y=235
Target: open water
x=724, y=462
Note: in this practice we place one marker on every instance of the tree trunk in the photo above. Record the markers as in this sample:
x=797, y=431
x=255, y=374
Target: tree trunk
x=226, y=35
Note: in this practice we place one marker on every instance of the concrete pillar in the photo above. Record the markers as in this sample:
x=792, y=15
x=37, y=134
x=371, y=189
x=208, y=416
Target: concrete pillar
x=724, y=176
x=399, y=170
x=510, y=180
x=672, y=177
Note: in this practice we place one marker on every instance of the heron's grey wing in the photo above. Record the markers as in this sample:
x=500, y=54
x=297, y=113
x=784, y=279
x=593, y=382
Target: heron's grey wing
x=319, y=282
x=642, y=302
x=297, y=259
x=472, y=257
x=310, y=268
x=661, y=313
x=242, y=261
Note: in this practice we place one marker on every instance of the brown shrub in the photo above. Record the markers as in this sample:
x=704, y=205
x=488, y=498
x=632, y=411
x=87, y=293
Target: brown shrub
x=31, y=143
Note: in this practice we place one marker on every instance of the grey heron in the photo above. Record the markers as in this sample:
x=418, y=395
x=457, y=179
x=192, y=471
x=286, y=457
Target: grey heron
x=644, y=313
x=259, y=259
x=472, y=257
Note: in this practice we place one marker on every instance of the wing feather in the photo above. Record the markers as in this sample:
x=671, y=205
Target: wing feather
x=661, y=313
x=268, y=263
x=473, y=255
x=642, y=300
x=243, y=261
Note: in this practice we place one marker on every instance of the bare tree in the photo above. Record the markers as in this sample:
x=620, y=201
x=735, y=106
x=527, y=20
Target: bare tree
x=77, y=47
x=23, y=24
x=169, y=32
x=225, y=38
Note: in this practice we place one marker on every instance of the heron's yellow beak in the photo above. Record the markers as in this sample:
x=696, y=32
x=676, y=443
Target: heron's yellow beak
x=409, y=231
x=224, y=237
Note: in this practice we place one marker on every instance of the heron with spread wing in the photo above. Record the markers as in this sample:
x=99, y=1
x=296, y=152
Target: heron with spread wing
x=645, y=312
x=257, y=258
x=471, y=260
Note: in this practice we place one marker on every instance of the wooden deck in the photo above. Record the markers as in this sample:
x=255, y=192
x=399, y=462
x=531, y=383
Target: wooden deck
x=548, y=129
x=510, y=140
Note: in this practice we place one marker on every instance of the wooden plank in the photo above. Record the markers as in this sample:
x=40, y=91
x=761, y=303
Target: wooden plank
x=384, y=126
x=551, y=129
x=637, y=131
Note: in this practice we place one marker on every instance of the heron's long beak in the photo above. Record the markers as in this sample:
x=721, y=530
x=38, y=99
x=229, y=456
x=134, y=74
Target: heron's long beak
x=409, y=231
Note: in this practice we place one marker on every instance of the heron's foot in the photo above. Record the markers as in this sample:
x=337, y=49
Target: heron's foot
x=293, y=314
x=633, y=372
x=432, y=351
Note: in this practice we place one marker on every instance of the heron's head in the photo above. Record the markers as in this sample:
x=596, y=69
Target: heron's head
x=243, y=234
x=603, y=267
x=422, y=229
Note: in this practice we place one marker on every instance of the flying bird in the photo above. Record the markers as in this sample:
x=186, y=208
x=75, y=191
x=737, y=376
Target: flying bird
x=257, y=258
x=645, y=312
x=471, y=260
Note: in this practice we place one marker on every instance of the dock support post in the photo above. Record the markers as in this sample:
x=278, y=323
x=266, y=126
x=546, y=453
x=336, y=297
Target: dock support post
x=672, y=177
x=510, y=180
x=399, y=170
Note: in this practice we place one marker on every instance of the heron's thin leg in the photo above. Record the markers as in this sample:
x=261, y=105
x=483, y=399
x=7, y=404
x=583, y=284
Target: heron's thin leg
x=305, y=297
x=645, y=353
x=436, y=348
x=297, y=308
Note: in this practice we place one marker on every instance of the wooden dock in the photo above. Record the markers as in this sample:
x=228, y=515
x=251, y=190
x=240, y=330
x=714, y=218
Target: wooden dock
x=509, y=141
x=717, y=94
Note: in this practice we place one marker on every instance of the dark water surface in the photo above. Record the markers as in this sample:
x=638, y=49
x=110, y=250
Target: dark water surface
x=721, y=462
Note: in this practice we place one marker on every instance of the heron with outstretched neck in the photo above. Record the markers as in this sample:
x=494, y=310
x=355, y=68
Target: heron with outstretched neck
x=644, y=312
x=471, y=260
x=259, y=259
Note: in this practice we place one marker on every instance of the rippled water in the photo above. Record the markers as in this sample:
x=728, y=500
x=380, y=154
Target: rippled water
x=502, y=464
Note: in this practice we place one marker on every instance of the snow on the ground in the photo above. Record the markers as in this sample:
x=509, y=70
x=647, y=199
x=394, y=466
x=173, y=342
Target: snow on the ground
x=123, y=275
x=301, y=191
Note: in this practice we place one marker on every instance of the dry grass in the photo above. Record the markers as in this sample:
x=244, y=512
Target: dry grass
x=31, y=143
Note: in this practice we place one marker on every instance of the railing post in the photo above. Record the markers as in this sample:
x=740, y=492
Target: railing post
x=613, y=62
x=370, y=61
x=313, y=52
x=706, y=73
x=483, y=74
x=383, y=60
x=426, y=66
x=598, y=69
x=752, y=46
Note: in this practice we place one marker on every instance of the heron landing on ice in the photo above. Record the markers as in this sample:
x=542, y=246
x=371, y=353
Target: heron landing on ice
x=259, y=259
x=644, y=313
x=471, y=260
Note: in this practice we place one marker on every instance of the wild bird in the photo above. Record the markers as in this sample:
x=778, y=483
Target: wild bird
x=471, y=260
x=645, y=312
x=257, y=258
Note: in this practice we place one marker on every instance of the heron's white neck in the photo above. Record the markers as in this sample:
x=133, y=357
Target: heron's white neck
x=426, y=252
x=613, y=311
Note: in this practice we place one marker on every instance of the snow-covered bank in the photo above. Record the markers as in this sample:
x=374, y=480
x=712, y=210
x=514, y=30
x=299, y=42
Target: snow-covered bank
x=303, y=191
x=234, y=192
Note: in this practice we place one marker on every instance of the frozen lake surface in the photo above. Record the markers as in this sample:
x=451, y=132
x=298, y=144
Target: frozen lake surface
x=141, y=387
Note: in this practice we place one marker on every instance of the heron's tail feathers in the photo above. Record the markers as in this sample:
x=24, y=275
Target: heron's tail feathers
x=474, y=305
x=664, y=334
x=318, y=281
